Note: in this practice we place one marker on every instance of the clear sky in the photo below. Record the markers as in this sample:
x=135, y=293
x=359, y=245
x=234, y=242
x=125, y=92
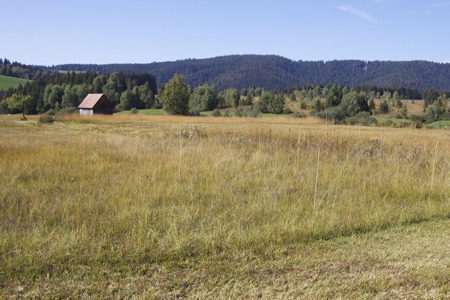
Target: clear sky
x=50, y=32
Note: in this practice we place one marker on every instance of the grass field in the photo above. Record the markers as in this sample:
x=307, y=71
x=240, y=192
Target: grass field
x=145, y=112
x=7, y=82
x=178, y=207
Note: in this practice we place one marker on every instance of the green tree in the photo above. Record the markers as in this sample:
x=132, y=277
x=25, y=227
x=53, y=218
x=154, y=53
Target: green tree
x=354, y=102
x=127, y=100
x=203, y=98
x=302, y=104
x=333, y=96
x=113, y=88
x=404, y=111
x=384, y=107
x=20, y=102
x=145, y=95
x=82, y=90
x=264, y=102
x=70, y=98
x=232, y=97
x=397, y=100
x=431, y=95
x=247, y=100
x=317, y=105
x=52, y=94
x=175, y=97
x=98, y=83
x=271, y=103
x=372, y=105
x=277, y=105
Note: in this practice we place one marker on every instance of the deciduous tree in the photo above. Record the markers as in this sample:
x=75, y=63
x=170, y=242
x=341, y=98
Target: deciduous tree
x=175, y=97
x=20, y=102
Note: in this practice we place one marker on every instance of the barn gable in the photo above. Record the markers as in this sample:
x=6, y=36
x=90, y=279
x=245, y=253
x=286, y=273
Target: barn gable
x=95, y=104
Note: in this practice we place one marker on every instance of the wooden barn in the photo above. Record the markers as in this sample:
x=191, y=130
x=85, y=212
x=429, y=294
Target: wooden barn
x=95, y=104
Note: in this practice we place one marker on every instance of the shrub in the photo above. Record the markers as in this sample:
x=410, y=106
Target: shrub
x=51, y=112
x=46, y=118
x=253, y=113
x=362, y=118
x=216, y=113
x=298, y=115
x=66, y=111
x=332, y=113
x=239, y=112
x=134, y=111
x=387, y=123
x=287, y=110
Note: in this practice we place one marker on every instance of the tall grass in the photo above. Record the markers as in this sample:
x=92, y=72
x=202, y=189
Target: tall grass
x=129, y=192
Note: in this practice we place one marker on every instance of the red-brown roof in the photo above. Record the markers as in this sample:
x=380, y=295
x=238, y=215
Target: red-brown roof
x=90, y=101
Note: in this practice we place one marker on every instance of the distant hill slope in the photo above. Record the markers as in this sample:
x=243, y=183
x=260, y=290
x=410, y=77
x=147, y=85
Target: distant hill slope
x=277, y=73
x=7, y=82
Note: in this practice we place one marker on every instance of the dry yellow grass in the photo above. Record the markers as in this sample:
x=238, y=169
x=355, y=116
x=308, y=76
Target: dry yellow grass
x=414, y=107
x=187, y=120
x=141, y=196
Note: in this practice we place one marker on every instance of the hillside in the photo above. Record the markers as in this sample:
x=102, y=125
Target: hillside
x=277, y=73
x=7, y=82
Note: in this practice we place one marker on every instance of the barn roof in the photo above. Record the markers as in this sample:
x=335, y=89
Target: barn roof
x=90, y=101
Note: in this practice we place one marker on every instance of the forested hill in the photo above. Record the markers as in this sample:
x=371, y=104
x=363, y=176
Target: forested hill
x=278, y=73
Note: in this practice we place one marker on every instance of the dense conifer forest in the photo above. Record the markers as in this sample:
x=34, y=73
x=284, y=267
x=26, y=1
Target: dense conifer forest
x=277, y=73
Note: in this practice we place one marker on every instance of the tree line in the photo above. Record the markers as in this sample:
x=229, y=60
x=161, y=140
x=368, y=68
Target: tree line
x=275, y=73
x=56, y=91
x=16, y=69
x=339, y=103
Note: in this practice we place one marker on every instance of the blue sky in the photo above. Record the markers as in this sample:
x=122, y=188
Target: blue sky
x=50, y=32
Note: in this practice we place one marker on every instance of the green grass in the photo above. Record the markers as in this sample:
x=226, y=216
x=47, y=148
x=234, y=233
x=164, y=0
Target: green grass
x=438, y=124
x=395, y=121
x=167, y=207
x=7, y=82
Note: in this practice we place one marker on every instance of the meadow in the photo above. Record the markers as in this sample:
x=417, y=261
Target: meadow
x=142, y=206
x=7, y=82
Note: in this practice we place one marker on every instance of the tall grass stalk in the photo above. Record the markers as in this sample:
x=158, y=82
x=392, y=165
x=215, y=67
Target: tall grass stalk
x=180, y=158
x=316, y=184
x=434, y=164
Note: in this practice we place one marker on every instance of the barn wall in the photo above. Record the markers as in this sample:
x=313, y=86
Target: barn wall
x=103, y=107
x=86, y=112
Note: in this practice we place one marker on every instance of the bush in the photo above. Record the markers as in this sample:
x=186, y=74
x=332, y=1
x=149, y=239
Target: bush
x=399, y=116
x=250, y=113
x=239, y=112
x=287, y=110
x=253, y=113
x=387, y=123
x=298, y=115
x=46, y=118
x=216, y=113
x=362, y=118
x=417, y=118
x=332, y=113
x=134, y=111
